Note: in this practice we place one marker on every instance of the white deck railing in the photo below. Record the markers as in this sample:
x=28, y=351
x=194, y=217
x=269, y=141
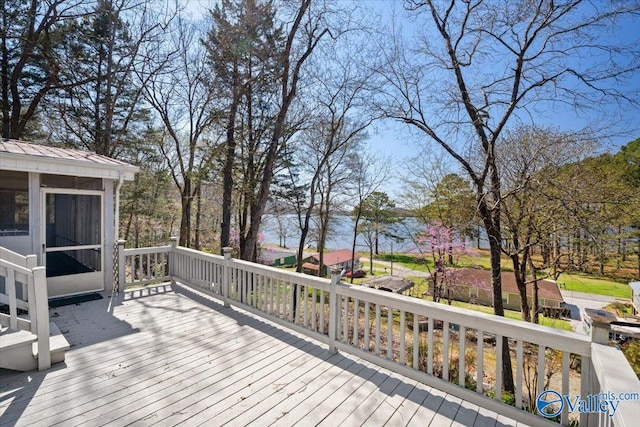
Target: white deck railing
x=417, y=338
x=25, y=289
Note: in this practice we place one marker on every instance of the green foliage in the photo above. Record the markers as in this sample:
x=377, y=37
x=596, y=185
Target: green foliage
x=99, y=99
x=453, y=204
x=631, y=350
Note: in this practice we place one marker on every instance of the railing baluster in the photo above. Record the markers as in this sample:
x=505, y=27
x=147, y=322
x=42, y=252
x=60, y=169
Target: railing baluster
x=403, y=343
x=462, y=336
x=10, y=287
x=254, y=291
x=378, y=315
x=445, y=351
x=322, y=311
x=519, y=373
x=278, y=296
x=314, y=310
x=345, y=319
x=430, y=344
x=389, y=333
x=541, y=365
x=480, y=357
x=306, y=305
x=416, y=341
x=356, y=321
x=271, y=310
x=296, y=307
x=264, y=293
x=565, y=386
x=367, y=326
x=498, y=388
x=292, y=292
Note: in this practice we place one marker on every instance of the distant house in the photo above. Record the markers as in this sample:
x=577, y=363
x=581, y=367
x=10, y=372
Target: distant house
x=472, y=285
x=277, y=258
x=337, y=259
x=635, y=299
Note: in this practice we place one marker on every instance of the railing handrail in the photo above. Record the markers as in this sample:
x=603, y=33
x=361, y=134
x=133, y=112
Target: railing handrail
x=34, y=283
x=16, y=267
x=144, y=251
x=298, y=278
x=12, y=257
x=530, y=332
x=603, y=357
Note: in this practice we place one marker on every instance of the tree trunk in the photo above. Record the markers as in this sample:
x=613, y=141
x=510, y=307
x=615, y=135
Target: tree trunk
x=492, y=226
x=353, y=246
x=520, y=274
x=227, y=171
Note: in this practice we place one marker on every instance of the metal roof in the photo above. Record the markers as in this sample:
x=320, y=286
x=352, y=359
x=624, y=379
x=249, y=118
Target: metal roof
x=30, y=157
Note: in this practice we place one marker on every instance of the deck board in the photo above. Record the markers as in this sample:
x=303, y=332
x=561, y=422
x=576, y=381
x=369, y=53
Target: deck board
x=168, y=356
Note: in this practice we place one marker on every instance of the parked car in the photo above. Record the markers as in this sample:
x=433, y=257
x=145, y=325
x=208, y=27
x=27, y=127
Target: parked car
x=356, y=274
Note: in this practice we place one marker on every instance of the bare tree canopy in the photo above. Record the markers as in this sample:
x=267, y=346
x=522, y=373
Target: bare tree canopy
x=479, y=67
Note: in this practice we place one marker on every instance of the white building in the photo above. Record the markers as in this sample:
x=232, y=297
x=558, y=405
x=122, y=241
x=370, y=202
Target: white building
x=62, y=205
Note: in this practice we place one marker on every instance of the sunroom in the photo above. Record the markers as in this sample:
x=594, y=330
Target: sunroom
x=62, y=205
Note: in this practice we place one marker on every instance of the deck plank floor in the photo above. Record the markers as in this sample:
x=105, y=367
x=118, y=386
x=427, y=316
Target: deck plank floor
x=169, y=356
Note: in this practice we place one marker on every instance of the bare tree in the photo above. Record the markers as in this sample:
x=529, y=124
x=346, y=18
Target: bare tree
x=370, y=172
x=529, y=160
x=481, y=66
x=183, y=100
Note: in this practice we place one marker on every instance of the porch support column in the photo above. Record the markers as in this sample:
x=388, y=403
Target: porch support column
x=226, y=275
x=108, y=244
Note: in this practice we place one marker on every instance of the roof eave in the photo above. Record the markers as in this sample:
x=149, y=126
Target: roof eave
x=30, y=163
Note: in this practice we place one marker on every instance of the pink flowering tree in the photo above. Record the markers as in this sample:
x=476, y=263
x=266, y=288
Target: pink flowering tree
x=444, y=247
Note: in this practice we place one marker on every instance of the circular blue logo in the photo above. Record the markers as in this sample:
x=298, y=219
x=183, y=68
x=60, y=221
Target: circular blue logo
x=549, y=403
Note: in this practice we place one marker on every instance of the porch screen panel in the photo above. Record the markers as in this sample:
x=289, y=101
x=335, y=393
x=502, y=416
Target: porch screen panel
x=73, y=220
x=74, y=230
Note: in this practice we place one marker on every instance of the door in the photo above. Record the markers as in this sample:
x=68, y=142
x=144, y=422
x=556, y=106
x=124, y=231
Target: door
x=72, y=230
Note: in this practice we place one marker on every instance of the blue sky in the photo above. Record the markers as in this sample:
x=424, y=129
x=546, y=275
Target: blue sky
x=399, y=143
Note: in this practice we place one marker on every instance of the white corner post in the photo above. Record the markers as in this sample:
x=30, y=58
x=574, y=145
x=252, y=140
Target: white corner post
x=334, y=309
x=173, y=242
x=600, y=333
x=42, y=315
x=122, y=266
x=31, y=262
x=226, y=275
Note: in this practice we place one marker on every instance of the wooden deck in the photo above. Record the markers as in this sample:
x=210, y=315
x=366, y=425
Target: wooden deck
x=166, y=356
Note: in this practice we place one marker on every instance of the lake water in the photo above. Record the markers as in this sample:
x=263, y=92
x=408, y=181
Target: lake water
x=340, y=235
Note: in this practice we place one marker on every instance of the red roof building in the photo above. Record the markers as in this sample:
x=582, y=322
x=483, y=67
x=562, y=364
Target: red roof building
x=337, y=259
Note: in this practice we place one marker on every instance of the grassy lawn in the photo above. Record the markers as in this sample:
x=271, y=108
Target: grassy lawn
x=570, y=281
x=594, y=285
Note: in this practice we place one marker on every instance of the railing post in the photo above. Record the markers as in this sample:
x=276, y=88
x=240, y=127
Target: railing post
x=173, y=242
x=122, y=266
x=31, y=262
x=334, y=309
x=42, y=316
x=600, y=332
x=226, y=275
